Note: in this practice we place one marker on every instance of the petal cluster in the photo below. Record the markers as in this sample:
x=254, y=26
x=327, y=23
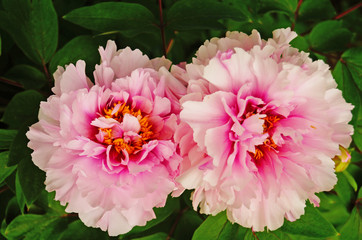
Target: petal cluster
x=261, y=123
x=251, y=125
x=107, y=148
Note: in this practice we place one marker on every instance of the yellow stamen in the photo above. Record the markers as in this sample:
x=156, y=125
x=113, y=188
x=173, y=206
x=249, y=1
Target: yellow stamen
x=120, y=144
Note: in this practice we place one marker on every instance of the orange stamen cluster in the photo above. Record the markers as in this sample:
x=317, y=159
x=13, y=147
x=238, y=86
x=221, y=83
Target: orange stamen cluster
x=120, y=143
x=268, y=144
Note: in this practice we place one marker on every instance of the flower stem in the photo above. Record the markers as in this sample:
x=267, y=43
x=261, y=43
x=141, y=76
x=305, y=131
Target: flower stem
x=348, y=11
x=4, y=188
x=162, y=28
x=181, y=212
x=10, y=82
x=296, y=14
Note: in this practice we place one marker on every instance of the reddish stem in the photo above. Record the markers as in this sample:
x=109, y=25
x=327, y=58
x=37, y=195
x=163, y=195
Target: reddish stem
x=162, y=28
x=296, y=14
x=169, y=46
x=173, y=228
x=3, y=189
x=47, y=75
x=10, y=82
x=348, y=11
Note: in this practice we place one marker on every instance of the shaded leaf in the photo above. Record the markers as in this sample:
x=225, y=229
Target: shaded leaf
x=350, y=230
x=171, y=206
x=22, y=107
x=31, y=179
x=19, y=149
x=78, y=231
x=33, y=26
x=332, y=208
x=211, y=227
x=352, y=58
x=192, y=14
x=287, y=6
x=50, y=229
x=311, y=10
x=343, y=188
x=329, y=36
x=6, y=137
x=312, y=224
x=30, y=77
x=81, y=47
x=351, y=180
x=189, y=221
x=25, y=223
x=114, y=16
x=19, y=193
x=352, y=94
x=156, y=236
x=5, y=171
x=232, y=231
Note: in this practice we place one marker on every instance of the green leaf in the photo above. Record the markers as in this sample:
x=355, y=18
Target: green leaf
x=18, y=148
x=332, y=208
x=193, y=14
x=187, y=224
x=0, y=45
x=171, y=206
x=311, y=10
x=19, y=193
x=24, y=224
x=30, y=77
x=275, y=235
x=350, y=180
x=352, y=94
x=22, y=107
x=287, y=6
x=312, y=224
x=350, y=230
x=78, y=231
x=5, y=171
x=352, y=58
x=343, y=188
x=50, y=229
x=233, y=231
x=6, y=137
x=114, y=16
x=33, y=26
x=81, y=47
x=329, y=36
x=156, y=236
x=211, y=227
x=31, y=179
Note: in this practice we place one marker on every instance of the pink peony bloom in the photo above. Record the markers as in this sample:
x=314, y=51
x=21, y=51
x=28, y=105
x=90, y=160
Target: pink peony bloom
x=107, y=147
x=261, y=123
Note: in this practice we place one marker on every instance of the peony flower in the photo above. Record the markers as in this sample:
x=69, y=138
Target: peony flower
x=261, y=123
x=107, y=147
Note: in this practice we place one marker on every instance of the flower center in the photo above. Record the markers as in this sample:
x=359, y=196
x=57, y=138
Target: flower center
x=268, y=144
x=129, y=143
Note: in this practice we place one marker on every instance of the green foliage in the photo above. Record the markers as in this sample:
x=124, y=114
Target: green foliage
x=5, y=171
x=37, y=36
x=6, y=137
x=114, y=16
x=81, y=47
x=198, y=16
x=329, y=36
x=211, y=227
x=311, y=224
x=28, y=76
x=33, y=26
x=22, y=108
